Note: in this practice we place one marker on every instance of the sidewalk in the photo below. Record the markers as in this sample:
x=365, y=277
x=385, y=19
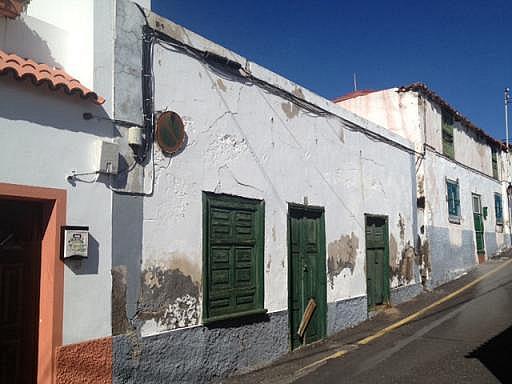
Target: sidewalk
x=296, y=364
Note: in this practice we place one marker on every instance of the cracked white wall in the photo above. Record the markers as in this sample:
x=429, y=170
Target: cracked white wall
x=244, y=141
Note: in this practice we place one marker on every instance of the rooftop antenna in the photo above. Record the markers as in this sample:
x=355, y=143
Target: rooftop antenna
x=507, y=154
x=355, y=82
x=507, y=101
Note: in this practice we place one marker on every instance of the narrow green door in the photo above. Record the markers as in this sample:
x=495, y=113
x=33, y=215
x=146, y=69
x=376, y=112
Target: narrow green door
x=377, y=270
x=479, y=223
x=307, y=278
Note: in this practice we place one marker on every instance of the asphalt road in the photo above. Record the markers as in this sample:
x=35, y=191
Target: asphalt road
x=466, y=340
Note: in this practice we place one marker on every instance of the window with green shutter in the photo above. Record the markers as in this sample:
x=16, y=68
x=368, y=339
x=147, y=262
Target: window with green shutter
x=447, y=133
x=452, y=188
x=233, y=233
x=498, y=207
x=494, y=155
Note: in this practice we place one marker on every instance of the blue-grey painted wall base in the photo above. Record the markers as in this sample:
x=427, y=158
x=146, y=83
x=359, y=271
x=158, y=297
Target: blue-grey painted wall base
x=402, y=294
x=346, y=313
x=450, y=261
x=198, y=354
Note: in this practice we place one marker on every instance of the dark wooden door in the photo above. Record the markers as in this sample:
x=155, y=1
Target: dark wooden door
x=377, y=270
x=307, y=277
x=20, y=249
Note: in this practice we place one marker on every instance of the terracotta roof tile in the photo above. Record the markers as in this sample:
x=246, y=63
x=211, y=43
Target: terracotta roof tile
x=44, y=74
x=12, y=8
x=352, y=95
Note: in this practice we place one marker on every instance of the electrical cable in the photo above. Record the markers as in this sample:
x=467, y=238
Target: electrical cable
x=75, y=177
x=239, y=73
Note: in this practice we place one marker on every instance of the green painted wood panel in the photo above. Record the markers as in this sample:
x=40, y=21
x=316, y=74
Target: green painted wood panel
x=377, y=260
x=233, y=256
x=479, y=233
x=478, y=223
x=494, y=159
x=307, y=277
x=447, y=134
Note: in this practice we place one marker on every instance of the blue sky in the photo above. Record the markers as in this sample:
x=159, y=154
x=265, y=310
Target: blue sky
x=461, y=49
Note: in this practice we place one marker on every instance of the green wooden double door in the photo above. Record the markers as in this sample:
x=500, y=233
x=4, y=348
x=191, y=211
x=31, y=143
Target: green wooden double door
x=307, y=277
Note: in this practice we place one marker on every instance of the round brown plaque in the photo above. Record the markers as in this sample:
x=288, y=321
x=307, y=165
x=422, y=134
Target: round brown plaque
x=170, y=132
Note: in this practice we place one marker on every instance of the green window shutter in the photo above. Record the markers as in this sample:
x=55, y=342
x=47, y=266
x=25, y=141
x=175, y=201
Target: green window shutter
x=233, y=256
x=498, y=205
x=447, y=135
x=452, y=189
x=457, y=199
x=494, y=164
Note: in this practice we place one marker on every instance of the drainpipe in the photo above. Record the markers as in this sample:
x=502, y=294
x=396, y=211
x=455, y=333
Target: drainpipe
x=147, y=93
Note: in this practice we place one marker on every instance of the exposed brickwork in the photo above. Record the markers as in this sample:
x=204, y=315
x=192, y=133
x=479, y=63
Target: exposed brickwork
x=85, y=363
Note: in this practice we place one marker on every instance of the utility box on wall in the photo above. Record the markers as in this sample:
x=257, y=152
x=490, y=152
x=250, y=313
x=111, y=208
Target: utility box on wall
x=108, y=157
x=76, y=242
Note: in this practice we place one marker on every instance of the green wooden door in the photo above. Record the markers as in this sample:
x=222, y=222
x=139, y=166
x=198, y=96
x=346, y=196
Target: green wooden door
x=233, y=260
x=479, y=223
x=307, y=277
x=377, y=270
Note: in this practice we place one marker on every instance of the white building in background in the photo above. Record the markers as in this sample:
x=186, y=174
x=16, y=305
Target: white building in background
x=461, y=177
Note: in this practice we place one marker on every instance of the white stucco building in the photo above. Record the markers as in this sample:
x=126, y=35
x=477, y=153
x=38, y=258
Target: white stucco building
x=461, y=177
x=278, y=196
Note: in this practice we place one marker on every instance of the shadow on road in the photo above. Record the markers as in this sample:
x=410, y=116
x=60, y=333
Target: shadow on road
x=495, y=355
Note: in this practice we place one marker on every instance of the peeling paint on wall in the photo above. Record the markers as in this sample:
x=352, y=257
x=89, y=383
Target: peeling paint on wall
x=225, y=148
x=421, y=182
x=401, y=227
x=120, y=323
x=342, y=254
x=402, y=269
x=221, y=86
x=424, y=260
x=169, y=297
x=406, y=271
x=393, y=254
x=341, y=135
x=290, y=109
